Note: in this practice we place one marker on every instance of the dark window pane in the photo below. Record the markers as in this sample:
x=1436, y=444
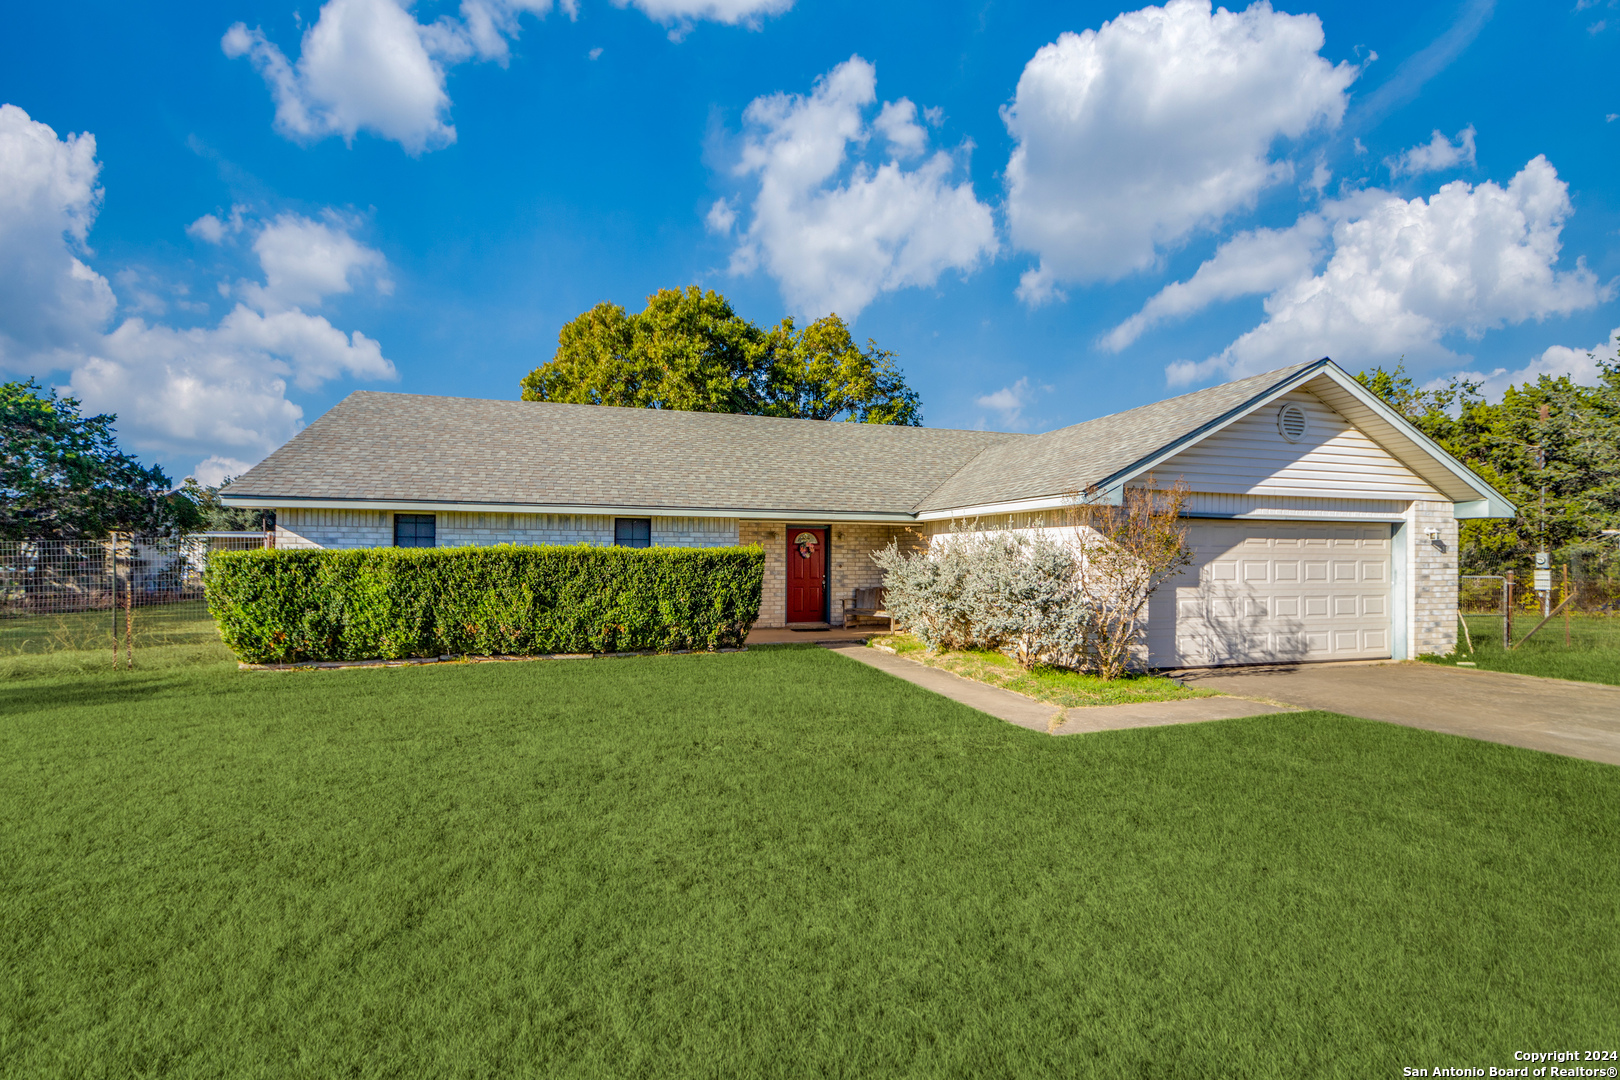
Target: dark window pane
x=413, y=530
x=632, y=532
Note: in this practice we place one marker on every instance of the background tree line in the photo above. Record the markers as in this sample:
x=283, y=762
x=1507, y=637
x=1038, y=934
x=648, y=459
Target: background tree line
x=1552, y=434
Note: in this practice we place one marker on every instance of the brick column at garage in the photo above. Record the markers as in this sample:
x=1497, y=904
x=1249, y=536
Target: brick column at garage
x=1432, y=569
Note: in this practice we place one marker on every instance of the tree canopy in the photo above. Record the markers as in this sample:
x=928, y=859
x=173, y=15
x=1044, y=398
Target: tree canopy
x=690, y=350
x=1552, y=433
x=62, y=475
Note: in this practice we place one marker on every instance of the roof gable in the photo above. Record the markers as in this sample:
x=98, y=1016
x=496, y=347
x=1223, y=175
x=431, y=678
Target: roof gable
x=1089, y=454
x=1328, y=459
x=1106, y=454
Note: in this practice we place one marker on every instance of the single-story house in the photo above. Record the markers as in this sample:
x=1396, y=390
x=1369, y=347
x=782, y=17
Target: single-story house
x=1324, y=524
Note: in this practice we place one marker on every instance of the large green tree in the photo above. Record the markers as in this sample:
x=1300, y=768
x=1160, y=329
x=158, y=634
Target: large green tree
x=1552, y=446
x=62, y=475
x=689, y=349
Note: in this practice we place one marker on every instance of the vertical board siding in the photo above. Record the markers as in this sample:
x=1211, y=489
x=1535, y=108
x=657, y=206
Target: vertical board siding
x=1333, y=460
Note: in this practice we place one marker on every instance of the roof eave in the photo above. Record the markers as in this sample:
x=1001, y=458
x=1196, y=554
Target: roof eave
x=743, y=513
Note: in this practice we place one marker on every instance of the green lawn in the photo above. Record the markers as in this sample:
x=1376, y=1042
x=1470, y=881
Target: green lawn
x=159, y=626
x=1593, y=654
x=777, y=863
x=1054, y=686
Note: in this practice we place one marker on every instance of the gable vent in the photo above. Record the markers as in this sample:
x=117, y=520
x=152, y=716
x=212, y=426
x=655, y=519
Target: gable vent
x=1291, y=422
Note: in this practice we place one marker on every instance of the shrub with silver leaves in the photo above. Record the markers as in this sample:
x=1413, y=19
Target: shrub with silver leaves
x=1014, y=592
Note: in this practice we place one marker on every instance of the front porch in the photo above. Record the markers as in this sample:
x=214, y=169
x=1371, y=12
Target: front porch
x=848, y=566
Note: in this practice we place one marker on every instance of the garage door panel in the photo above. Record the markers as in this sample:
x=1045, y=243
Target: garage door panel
x=1269, y=591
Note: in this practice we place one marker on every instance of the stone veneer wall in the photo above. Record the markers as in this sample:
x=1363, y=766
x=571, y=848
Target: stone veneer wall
x=375, y=528
x=1431, y=569
x=851, y=545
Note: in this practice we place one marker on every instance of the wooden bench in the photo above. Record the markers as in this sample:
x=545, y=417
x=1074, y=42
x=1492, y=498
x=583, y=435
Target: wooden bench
x=866, y=604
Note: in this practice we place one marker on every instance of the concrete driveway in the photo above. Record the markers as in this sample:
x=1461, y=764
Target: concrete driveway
x=1575, y=719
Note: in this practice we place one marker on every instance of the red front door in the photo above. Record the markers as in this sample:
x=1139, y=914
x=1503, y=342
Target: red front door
x=806, y=575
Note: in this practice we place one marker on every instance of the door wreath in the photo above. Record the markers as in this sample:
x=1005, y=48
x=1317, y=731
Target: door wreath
x=806, y=543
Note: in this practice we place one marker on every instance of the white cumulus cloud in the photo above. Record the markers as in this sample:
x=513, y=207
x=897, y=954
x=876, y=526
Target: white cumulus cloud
x=682, y=13
x=368, y=65
x=1248, y=263
x=49, y=299
x=1009, y=402
x=836, y=234
x=1581, y=365
x=1161, y=122
x=218, y=392
x=304, y=261
x=1405, y=273
x=1436, y=155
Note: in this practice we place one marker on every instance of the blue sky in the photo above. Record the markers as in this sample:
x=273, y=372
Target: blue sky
x=217, y=220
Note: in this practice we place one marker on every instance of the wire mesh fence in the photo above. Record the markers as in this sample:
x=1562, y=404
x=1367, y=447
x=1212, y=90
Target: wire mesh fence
x=1507, y=611
x=120, y=594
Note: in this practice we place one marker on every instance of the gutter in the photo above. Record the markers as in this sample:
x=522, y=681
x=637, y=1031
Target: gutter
x=284, y=502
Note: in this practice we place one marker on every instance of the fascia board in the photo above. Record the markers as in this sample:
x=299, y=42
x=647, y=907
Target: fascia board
x=272, y=502
x=1020, y=506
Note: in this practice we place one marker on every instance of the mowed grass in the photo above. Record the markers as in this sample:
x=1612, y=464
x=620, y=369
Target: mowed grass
x=1592, y=655
x=1054, y=686
x=158, y=626
x=777, y=863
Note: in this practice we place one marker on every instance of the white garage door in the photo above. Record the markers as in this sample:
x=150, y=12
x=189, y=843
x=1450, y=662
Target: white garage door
x=1269, y=591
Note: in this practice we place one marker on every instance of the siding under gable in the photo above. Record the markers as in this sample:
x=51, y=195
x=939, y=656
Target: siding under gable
x=1334, y=460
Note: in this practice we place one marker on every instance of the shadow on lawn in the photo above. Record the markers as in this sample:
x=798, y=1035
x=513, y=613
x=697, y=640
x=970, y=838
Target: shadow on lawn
x=94, y=691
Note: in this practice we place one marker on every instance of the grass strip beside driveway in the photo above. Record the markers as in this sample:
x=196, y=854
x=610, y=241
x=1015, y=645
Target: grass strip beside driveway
x=775, y=863
x=1055, y=686
x=1592, y=655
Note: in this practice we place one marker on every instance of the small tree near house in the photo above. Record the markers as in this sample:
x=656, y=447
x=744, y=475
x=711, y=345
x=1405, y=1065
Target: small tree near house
x=1128, y=550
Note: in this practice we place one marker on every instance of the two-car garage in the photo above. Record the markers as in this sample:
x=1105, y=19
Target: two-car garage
x=1268, y=591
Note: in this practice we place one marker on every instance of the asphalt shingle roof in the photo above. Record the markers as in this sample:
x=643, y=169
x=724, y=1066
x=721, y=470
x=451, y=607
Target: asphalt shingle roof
x=1073, y=458
x=397, y=447
x=408, y=447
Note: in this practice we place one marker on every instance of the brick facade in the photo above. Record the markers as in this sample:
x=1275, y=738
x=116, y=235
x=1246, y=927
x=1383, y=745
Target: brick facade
x=375, y=528
x=1431, y=573
x=851, y=547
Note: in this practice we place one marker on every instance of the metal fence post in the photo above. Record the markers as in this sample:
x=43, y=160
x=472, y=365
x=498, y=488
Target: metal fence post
x=112, y=556
x=1507, y=611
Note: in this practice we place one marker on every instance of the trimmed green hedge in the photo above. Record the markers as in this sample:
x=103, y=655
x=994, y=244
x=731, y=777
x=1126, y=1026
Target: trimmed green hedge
x=392, y=603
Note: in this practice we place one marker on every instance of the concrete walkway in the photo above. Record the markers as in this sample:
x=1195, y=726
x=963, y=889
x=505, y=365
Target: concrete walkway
x=1038, y=716
x=1561, y=717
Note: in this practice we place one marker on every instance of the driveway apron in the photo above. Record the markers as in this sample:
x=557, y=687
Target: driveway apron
x=1561, y=717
